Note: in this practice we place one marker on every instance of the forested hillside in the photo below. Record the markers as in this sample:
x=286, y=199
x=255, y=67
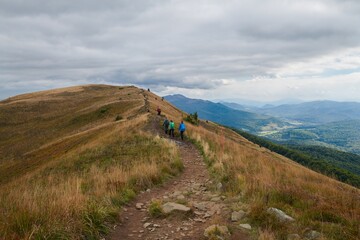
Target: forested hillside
x=320, y=162
x=348, y=161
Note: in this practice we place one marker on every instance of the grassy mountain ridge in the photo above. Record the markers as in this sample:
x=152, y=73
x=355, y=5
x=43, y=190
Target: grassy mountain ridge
x=80, y=164
x=67, y=166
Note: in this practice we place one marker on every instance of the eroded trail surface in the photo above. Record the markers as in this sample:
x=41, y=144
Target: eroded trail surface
x=193, y=189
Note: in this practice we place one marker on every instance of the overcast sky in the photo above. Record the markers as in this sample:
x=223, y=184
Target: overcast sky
x=262, y=50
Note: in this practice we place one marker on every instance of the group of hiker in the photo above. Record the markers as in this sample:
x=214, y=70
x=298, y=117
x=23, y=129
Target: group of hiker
x=169, y=127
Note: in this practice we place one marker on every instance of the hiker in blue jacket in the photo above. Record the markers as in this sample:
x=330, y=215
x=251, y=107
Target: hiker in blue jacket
x=182, y=128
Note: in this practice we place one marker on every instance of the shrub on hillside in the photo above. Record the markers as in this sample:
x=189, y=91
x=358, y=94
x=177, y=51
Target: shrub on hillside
x=192, y=118
x=118, y=118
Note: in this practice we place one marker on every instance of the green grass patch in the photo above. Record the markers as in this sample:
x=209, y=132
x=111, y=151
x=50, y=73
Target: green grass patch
x=123, y=197
x=95, y=218
x=155, y=209
x=259, y=217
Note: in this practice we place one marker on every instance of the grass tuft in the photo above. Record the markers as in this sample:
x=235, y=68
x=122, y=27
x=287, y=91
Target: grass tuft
x=94, y=219
x=123, y=197
x=155, y=209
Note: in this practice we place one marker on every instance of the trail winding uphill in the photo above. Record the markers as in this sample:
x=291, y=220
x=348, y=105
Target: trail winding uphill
x=206, y=206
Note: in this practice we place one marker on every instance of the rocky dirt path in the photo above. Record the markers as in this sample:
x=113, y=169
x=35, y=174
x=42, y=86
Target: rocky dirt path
x=203, y=206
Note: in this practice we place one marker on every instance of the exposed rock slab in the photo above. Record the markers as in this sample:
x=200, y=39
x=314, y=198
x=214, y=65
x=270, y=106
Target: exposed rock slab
x=237, y=216
x=171, y=206
x=245, y=226
x=283, y=217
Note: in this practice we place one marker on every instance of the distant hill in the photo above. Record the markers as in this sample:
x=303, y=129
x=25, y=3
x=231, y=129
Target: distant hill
x=254, y=103
x=222, y=114
x=343, y=135
x=324, y=123
x=316, y=112
x=237, y=106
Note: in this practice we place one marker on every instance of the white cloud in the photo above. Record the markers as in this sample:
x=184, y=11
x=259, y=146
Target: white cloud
x=200, y=47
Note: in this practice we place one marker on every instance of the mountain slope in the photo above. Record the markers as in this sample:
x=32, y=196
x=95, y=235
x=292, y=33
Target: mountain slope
x=69, y=179
x=341, y=165
x=219, y=113
x=71, y=158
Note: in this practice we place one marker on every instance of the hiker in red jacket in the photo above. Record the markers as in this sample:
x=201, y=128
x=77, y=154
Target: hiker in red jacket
x=158, y=110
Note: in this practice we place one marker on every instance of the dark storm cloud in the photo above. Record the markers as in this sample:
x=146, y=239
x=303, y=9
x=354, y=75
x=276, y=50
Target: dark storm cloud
x=184, y=44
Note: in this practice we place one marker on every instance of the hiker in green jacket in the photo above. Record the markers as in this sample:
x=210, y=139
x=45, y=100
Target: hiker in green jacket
x=171, y=128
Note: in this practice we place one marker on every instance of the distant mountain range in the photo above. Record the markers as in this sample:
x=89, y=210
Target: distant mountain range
x=316, y=112
x=217, y=112
x=253, y=103
x=321, y=123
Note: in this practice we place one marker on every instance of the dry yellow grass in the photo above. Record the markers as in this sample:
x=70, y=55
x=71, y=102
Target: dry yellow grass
x=53, y=199
x=71, y=184
x=265, y=179
x=70, y=167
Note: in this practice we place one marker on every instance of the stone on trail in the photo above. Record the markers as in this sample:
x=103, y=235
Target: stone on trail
x=283, y=217
x=201, y=206
x=215, y=199
x=245, y=226
x=139, y=205
x=180, y=197
x=199, y=220
x=146, y=225
x=171, y=206
x=237, y=216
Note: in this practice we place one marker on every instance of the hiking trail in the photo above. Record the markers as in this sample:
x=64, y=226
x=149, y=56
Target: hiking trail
x=192, y=188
